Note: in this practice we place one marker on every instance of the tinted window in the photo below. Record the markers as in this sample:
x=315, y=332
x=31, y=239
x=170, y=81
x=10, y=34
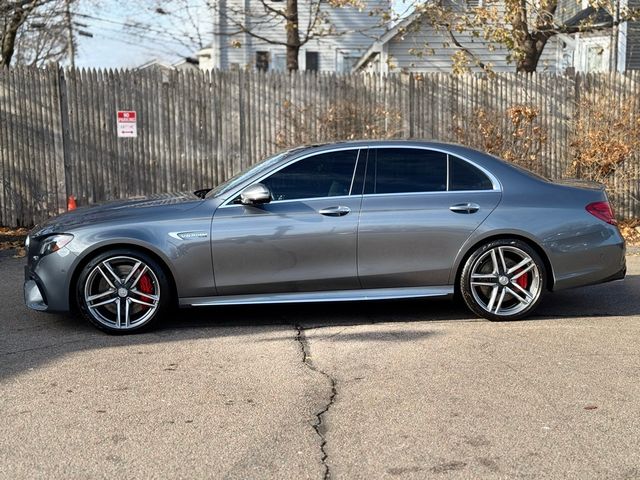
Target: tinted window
x=464, y=176
x=323, y=175
x=405, y=170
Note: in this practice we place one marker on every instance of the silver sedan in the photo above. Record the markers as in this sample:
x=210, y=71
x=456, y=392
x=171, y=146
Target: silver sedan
x=366, y=220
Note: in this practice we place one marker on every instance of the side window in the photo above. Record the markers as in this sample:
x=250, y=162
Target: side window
x=464, y=176
x=406, y=170
x=323, y=175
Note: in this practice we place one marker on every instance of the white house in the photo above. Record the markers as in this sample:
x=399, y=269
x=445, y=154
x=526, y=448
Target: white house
x=608, y=45
x=348, y=32
x=414, y=45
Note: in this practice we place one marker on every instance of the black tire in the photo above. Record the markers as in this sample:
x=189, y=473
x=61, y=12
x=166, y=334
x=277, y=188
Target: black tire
x=98, y=316
x=522, y=304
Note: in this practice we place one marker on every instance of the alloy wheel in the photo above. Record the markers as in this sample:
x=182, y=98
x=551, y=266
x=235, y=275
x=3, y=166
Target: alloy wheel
x=505, y=281
x=122, y=293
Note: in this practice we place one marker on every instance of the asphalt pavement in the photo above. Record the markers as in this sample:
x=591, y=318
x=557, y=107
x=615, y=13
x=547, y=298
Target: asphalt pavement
x=394, y=389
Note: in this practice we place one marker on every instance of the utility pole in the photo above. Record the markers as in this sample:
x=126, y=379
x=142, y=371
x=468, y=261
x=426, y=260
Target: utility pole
x=71, y=48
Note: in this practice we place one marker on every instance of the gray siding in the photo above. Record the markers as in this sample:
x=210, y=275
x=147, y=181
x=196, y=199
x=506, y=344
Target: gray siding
x=355, y=30
x=438, y=49
x=633, y=40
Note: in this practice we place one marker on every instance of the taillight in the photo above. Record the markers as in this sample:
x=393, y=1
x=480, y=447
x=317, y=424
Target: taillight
x=603, y=211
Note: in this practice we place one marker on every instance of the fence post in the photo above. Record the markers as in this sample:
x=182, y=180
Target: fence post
x=61, y=138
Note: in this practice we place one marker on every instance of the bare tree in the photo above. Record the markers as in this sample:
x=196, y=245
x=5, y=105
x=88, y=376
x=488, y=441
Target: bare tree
x=36, y=32
x=187, y=22
x=522, y=27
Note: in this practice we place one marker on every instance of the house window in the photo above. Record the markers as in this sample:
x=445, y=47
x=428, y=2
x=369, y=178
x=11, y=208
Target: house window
x=312, y=61
x=262, y=61
x=474, y=3
x=346, y=63
x=279, y=63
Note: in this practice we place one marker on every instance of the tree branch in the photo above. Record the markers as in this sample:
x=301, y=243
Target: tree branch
x=275, y=11
x=465, y=49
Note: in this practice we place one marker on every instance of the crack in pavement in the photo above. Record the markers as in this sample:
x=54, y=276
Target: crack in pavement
x=319, y=426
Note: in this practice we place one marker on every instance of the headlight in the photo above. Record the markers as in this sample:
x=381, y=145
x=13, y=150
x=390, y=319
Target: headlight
x=54, y=243
x=26, y=243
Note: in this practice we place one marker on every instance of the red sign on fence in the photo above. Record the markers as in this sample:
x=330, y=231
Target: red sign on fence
x=127, y=124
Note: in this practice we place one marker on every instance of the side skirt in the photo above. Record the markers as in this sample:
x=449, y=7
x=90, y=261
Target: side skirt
x=324, y=296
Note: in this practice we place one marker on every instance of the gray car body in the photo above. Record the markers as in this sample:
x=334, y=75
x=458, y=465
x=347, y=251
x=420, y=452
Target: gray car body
x=389, y=245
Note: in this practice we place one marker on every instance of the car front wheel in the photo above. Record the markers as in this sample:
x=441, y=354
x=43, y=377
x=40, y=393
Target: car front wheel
x=123, y=291
x=503, y=280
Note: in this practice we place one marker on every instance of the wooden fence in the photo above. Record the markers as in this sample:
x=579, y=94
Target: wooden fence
x=58, y=133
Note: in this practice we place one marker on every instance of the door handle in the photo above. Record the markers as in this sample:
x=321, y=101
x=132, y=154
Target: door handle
x=337, y=211
x=465, y=207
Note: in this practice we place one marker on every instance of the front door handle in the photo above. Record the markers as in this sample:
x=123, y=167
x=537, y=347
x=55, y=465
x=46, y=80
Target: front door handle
x=337, y=211
x=465, y=207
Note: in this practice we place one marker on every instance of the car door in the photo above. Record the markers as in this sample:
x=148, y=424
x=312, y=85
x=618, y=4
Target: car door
x=303, y=240
x=419, y=208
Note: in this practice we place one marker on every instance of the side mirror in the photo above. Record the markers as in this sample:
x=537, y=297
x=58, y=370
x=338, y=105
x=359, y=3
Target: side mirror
x=255, y=194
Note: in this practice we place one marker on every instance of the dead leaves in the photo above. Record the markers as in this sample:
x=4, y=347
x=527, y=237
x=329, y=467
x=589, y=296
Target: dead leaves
x=514, y=135
x=13, y=238
x=630, y=230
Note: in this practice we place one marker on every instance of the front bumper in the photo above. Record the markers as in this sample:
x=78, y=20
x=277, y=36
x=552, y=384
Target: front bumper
x=34, y=297
x=47, y=280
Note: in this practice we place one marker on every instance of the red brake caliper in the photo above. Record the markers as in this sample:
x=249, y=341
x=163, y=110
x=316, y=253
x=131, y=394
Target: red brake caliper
x=523, y=280
x=147, y=287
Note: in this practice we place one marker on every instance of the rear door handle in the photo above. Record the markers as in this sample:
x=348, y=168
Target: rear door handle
x=337, y=211
x=465, y=207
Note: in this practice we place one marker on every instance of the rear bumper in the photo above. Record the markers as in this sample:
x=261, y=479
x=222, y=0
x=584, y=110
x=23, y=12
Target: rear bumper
x=616, y=276
x=604, y=263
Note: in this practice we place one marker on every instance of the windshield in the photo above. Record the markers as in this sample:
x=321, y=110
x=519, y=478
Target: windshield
x=249, y=172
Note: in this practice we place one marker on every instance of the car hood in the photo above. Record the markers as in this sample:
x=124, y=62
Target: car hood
x=117, y=210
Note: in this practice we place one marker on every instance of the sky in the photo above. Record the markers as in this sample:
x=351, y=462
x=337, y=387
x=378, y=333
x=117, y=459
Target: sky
x=129, y=33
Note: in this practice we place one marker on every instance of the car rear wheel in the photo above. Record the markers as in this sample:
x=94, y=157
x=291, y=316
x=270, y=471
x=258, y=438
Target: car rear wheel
x=122, y=291
x=503, y=280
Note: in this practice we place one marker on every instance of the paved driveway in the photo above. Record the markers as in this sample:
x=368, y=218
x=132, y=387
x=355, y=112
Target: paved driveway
x=404, y=389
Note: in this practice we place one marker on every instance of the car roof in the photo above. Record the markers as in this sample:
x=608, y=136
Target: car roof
x=389, y=142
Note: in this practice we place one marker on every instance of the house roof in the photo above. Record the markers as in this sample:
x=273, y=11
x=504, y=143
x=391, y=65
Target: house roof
x=589, y=17
x=389, y=35
x=157, y=63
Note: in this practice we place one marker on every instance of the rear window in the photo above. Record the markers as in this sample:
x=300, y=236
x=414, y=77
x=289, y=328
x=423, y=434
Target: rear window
x=464, y=176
